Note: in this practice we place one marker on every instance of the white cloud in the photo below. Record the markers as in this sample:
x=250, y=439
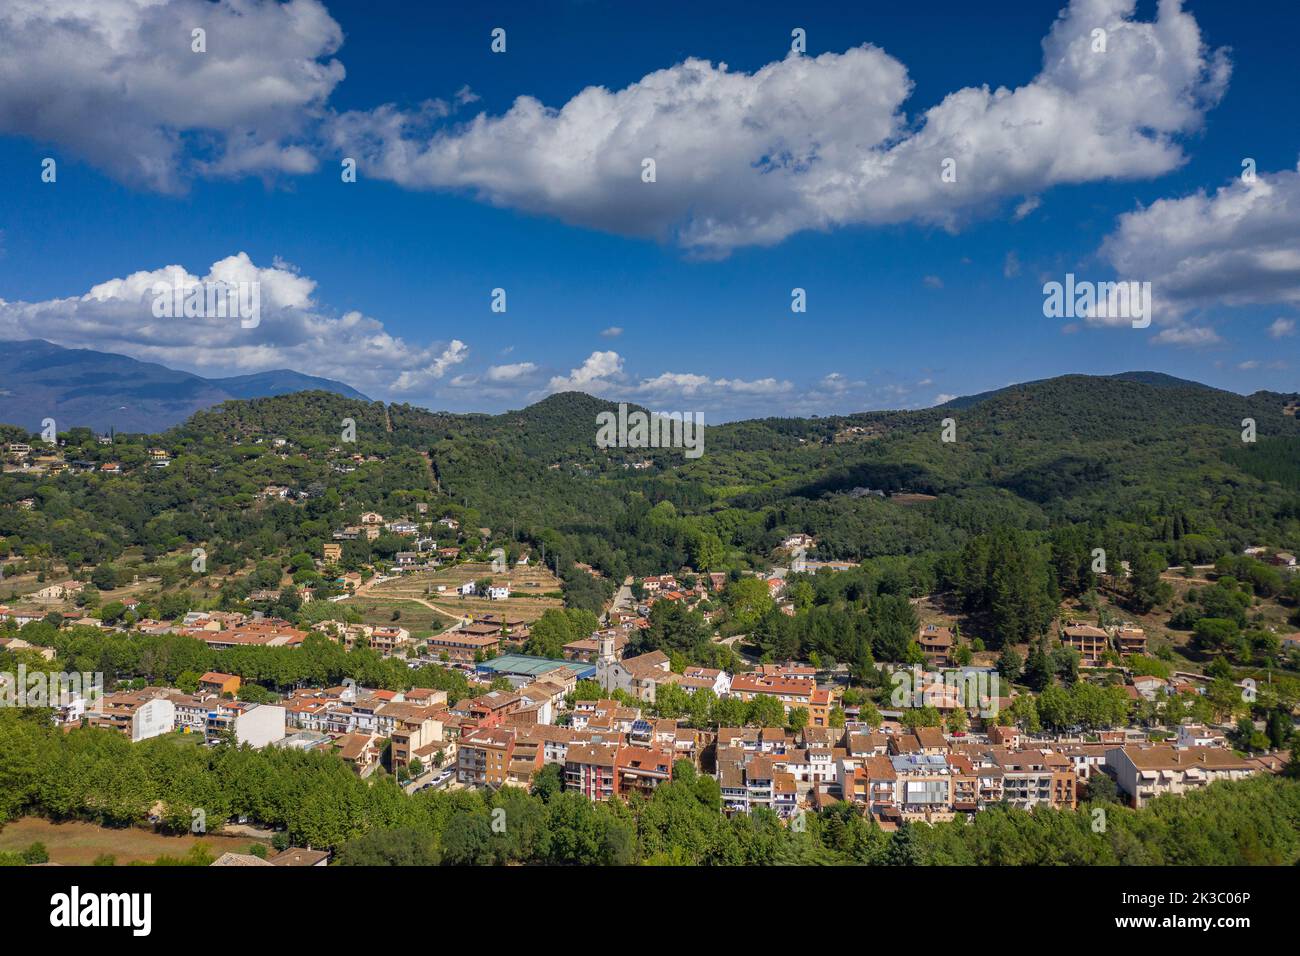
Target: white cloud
x=1011, y=265
x=934, y=282
x=598, y=372
x=419, y=378
x=613, y=332
x=1187, y=335
x=1237, y=247
x=115, y=82
x=294, y=332
x=819, y=142
x=1026, y=207
x=510, y=373
x=1281, y=328
x=602, y=374
x=943, y=397
x=741, y=158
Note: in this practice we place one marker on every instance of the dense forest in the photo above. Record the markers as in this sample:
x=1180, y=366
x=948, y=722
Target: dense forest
x=1145, y=467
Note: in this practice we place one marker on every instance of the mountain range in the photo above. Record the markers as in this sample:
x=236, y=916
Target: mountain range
x=102, y=390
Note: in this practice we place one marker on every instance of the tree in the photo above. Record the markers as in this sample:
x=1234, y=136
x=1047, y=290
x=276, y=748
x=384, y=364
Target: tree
x=869, y=714
x=395, y=847
x=1024, y=714
x=547, y=782
x=748, y=600
x=1101, y=788
x=550, y=633
x=797, y=719
x=104, y=577
x=1038, y=670
x=1144, y=583
x=765, y=711
x=470, y=841
x=1010, y=664
x=1055, y=707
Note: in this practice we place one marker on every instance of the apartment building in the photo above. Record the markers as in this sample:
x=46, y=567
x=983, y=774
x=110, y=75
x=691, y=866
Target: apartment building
x=923, y=786
x=1090, y=641
x=790, y=691
x=1036, y=777
x=254, y=724
x=137, y=715
x=465, y=645
x=641, y=770
x=416, y=733
x=1131, y=639
x=750, y=779
x=937, y=643
x=591, y=770
x=483, y=758
x=1144, y=773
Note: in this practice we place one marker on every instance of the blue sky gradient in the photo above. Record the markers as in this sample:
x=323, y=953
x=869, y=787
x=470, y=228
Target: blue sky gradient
x=899, y=315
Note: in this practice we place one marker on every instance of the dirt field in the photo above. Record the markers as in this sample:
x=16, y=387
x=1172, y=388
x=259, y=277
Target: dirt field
x=416, y=618
x=78, y=844
x=526, y=587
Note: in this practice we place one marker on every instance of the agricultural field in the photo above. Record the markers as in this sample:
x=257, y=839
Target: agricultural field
x=420, y=619
x=78, y=843
x=527, y=587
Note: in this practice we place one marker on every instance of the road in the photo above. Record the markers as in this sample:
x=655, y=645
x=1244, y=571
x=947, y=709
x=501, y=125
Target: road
x=623, y=600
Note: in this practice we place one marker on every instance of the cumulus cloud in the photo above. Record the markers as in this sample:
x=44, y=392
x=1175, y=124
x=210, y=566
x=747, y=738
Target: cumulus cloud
x=1281, y=328
x=1187, y=336
x=116, y=82
x=602, y=374
x=740, y=158
x=510, y=373
x=819, y=142
x=292, y=330
x=1239, y=246
x=599, y=372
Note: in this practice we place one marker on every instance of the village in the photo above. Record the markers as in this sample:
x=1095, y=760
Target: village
x=950, y=745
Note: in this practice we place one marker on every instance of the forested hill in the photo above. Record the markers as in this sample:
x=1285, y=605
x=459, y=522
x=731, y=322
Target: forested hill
x=1158, y=379
x=1064, y=450
x=1145, y=464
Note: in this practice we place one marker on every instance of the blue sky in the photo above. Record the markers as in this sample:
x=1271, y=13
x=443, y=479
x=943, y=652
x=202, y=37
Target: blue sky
x=912, y=295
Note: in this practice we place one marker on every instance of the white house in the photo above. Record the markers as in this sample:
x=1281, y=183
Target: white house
x=499, y=592
x=260, y=725
x=153, y=719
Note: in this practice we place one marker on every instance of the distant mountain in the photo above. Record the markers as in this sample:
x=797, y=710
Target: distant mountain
x=282, y=381
x=102, y=390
